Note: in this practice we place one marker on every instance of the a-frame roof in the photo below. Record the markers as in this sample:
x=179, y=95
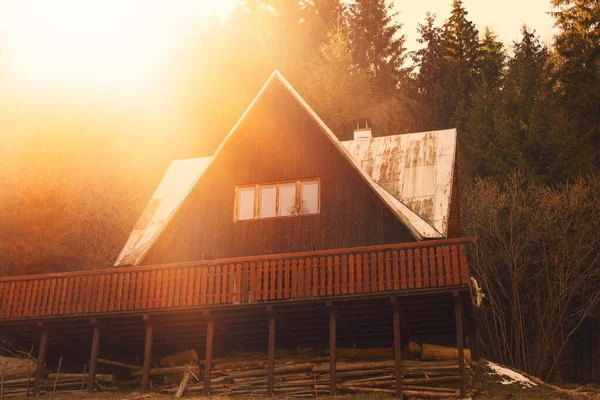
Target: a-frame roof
x=183, y=175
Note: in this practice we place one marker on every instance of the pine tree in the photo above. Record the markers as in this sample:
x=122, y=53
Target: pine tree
x=429, y=79
x=337, y=92
x=377, y=45
x=460, y=40
x=578, y=45
x=482, y=155
x=327, y=14
x=491, y=59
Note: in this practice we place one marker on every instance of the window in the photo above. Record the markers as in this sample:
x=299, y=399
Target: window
x=245, y=206
x=268, y=201
x=287, y=199
x=310, y=197
x=278, y=199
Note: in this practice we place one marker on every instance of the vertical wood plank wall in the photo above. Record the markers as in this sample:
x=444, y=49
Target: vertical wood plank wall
x=281, y=277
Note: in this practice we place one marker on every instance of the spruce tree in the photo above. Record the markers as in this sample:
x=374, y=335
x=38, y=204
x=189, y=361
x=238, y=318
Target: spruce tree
x=578, y=45
x=337, y=92
x=491, y=59
x=429, y=79
x=377, y=45
x=460, y=40
x=482, y=155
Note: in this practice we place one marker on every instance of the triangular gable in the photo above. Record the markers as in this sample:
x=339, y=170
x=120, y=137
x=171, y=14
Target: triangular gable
x=418, y=227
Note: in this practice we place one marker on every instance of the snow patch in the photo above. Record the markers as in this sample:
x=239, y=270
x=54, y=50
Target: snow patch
x=510, y=377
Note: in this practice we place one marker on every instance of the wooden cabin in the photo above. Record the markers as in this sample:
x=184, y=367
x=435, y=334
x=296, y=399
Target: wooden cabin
x=284, y=236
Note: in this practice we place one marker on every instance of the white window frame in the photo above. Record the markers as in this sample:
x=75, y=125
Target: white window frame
x=257, y=186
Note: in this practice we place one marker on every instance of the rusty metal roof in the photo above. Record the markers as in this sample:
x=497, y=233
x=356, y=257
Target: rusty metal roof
x=174, y=187
x=416, y=169
x=412, y=174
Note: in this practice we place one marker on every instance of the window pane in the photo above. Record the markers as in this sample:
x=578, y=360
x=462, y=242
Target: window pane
x=268, y=196
x=287, y=199
x=245, y=203
x=310, y=197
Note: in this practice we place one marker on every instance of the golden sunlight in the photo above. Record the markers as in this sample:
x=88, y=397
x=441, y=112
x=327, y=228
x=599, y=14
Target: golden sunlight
x=107, y=45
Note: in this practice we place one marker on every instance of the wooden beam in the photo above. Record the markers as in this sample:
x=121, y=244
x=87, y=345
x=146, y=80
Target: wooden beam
x=271, y=355
x=93, y=357
x=147, y=354
x=41, y=359
x=332, y=351
x=210, y=324
x=460, y=344
x=397, y=348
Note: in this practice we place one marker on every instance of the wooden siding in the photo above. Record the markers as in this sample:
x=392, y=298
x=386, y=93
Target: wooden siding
x=277, y=141
x=285, y=277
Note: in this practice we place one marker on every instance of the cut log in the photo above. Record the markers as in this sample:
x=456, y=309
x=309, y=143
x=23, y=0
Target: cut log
x=120, y=364
x=106, y=378
x=278, y=370
x=414, y=348
x=17, y=382
x=180, y=359
x=366, y=354
x=432, y=352
x=345, y=366
x=169, y=370
x=365, y=390
x=183, y=385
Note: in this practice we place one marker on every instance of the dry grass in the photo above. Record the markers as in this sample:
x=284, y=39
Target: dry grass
x=16, y=368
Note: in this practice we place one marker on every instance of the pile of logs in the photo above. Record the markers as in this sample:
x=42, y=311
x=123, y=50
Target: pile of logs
x=54, y=383
x=302, y=373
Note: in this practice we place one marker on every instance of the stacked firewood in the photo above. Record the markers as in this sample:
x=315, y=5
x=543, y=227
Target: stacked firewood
x=54, y=383
x=302, y=373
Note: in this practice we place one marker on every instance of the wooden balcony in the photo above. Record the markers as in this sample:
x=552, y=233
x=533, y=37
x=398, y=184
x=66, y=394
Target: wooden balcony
x=365, y=271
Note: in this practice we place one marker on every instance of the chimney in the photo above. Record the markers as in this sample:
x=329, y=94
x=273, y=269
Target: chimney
x=362, y=129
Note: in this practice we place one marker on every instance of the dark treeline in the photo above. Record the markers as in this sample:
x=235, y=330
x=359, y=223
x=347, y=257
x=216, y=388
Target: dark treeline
x=518, y=106
x=527, y=113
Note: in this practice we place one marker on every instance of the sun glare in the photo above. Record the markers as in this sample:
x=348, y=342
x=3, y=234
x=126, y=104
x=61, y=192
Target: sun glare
x=101, y=44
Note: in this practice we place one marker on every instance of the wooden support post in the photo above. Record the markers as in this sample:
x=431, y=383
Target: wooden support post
x=271, y=368
x=208, y=355
x=397, y=348
x=147, y=354
x=41, y=360
x=460, y=344
x=332, y=350
x=93, y=357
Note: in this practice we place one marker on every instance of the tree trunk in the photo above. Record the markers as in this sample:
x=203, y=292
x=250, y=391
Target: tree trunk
x=432, y=352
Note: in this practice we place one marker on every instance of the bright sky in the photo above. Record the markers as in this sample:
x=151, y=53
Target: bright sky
x=116, y=56
x=106, y=43
x=504, y=17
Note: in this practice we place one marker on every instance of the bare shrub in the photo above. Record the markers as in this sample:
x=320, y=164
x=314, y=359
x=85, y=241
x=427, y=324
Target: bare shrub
x=538, y=260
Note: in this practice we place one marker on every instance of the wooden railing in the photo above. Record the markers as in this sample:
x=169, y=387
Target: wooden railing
x=294, y=276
